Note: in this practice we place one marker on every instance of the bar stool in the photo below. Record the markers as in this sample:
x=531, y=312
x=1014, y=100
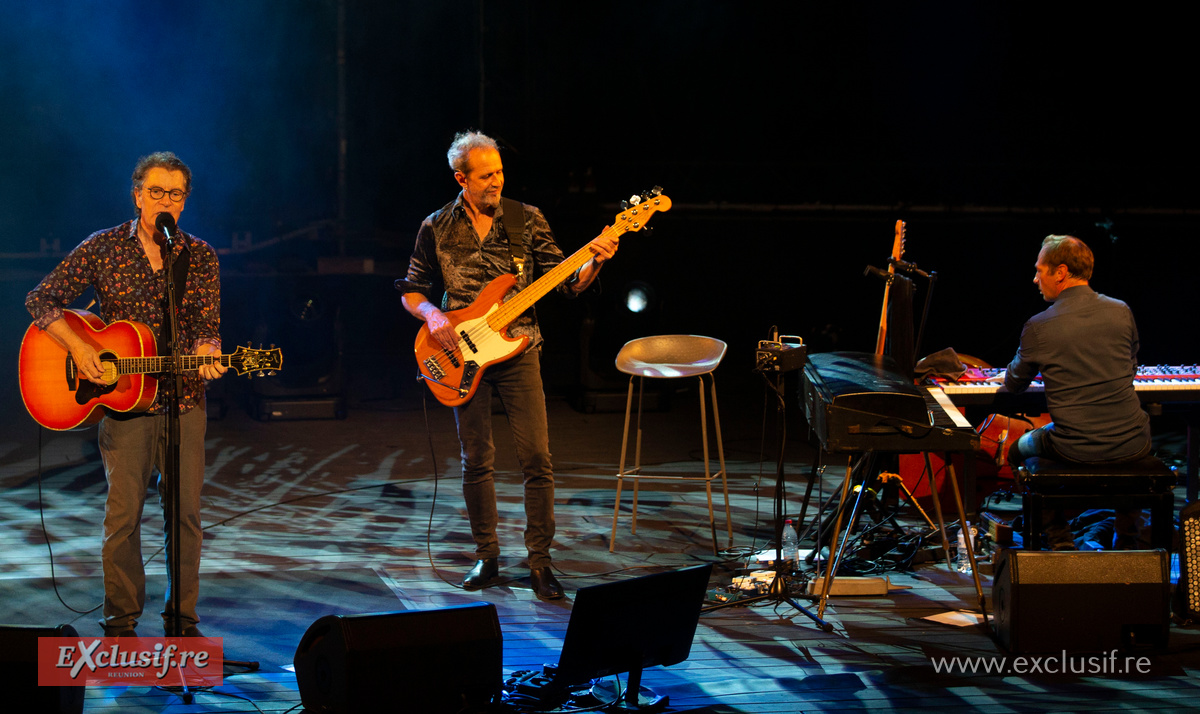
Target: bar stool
x=671, y=357
x=1143, y=483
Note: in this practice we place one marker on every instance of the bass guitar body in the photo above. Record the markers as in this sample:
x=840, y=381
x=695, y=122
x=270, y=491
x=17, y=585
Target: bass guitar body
x=453, y=376
x=58, y=397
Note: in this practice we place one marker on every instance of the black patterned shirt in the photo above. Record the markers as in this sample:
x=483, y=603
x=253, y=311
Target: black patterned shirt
x=450, y=260
x=127, y=288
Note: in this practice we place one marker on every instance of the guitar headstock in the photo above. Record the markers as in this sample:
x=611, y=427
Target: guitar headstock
x=898, y=244
x=245, y=360
x=637, y=210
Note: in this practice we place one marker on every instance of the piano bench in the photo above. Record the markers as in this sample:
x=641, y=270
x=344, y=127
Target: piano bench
x=1143, y=483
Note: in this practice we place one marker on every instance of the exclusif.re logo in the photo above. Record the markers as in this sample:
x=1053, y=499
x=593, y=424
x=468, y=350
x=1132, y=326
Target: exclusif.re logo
x=111, y=661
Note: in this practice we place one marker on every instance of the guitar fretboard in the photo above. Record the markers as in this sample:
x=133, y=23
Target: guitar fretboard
x=152, y=365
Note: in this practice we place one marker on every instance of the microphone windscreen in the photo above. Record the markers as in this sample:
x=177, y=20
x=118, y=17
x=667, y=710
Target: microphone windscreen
x=165, y=222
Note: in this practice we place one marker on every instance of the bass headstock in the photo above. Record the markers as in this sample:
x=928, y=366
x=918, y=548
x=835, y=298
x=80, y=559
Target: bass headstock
x=637, y=209
x=898, y=243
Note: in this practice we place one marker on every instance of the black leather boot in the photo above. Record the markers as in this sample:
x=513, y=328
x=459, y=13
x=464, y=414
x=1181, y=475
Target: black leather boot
x=545, y=585
x=484, y=572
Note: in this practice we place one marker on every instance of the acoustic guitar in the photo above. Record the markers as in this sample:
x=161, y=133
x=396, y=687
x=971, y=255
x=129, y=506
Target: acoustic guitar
x=482, y=327
x=59, y=397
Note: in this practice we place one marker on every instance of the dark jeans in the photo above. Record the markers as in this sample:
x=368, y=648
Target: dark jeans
x=1129, y=524
x=518, y=384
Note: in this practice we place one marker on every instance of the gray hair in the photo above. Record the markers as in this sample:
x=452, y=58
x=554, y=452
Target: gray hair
x=159, y=160
x=464, y=143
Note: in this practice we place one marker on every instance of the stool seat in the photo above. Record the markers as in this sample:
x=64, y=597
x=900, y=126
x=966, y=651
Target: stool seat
x=670, y=356
x=1145, y=475
x=1139, y=483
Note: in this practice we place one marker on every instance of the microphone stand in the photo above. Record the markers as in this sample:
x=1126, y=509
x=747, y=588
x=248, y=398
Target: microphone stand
x=778, y=591
x=173, y=381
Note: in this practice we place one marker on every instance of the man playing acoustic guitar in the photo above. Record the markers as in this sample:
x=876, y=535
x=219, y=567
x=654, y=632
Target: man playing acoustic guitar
x=459, y=250
x=124, y=265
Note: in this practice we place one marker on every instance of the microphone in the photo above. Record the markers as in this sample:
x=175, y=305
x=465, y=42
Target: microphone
x=165, y=223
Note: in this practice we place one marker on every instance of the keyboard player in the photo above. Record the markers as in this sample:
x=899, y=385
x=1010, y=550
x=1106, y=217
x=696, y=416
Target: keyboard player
x=1085, y=346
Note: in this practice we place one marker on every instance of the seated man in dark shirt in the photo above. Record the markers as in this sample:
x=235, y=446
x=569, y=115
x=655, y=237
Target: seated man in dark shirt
x=1085, y=345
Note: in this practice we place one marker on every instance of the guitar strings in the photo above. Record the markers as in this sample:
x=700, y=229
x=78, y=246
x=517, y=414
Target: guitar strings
x=479, y=332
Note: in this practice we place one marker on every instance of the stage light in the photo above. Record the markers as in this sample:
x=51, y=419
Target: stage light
x=639, y=297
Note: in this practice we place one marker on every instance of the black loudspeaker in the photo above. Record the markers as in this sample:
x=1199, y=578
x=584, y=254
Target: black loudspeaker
x=1090, y=601
x=18, y=671
x=1187, y=590
x=417, y=660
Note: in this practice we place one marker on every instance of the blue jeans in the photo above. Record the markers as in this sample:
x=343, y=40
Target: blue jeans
x=134, y=450
x=518, y=384
x=1128, y=524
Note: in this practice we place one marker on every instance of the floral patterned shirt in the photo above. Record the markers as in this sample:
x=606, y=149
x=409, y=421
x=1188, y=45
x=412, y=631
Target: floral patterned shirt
x=127, y=288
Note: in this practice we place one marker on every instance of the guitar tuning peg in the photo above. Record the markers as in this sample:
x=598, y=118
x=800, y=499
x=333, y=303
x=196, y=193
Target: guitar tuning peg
x=272, y=373
x=635, y=199
x=624, y=205
x=261, y=373
x=657, y=190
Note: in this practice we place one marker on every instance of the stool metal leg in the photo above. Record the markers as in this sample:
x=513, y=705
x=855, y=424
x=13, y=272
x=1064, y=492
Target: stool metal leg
x=621, y=468
x=637, y=456
x=721, y=457
x=712, y=521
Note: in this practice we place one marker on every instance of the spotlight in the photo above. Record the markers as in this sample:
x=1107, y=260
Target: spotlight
x=639, y=297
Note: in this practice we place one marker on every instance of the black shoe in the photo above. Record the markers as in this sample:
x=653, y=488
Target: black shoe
x=482, y=575
x=188, y=630
x=544, y=584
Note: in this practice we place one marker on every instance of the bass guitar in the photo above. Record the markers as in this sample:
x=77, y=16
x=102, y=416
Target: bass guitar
x=897, y=254
x=482, y=327
x=58, y=397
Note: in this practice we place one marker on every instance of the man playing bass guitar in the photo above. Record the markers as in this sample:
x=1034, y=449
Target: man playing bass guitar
x=460, y=249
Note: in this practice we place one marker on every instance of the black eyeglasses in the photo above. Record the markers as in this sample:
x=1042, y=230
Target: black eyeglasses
x=157, y=193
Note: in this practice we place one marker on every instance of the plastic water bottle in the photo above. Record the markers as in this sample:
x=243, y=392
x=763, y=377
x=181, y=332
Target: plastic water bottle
x=790, y=544
x=963, y=561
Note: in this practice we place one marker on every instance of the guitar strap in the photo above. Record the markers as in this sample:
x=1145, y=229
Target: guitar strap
x=514, y=227
x=180, y=270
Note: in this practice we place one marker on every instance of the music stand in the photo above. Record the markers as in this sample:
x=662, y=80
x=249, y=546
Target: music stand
x=630, y=625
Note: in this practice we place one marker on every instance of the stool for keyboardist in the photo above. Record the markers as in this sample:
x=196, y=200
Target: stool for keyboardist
x=1144, y=483
x=672, y=357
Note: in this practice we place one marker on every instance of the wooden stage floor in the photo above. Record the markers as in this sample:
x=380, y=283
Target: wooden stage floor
x=308, y=518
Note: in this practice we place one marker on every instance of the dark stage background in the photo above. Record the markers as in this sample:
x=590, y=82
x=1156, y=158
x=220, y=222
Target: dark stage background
x=789, y=137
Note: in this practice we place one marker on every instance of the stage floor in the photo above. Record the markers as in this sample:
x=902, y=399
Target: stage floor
x=310, y=518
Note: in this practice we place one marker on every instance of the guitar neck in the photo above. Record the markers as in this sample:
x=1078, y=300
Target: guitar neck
x=525, y=299
x=152, y=365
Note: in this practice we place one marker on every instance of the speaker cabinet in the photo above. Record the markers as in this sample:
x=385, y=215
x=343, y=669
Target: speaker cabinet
x=1090, y=601
x=18, y=671
x=416, y=660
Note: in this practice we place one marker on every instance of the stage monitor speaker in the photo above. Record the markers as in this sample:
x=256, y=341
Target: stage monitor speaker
x=1081, y=601
x=18, y=671
x=416, y=660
